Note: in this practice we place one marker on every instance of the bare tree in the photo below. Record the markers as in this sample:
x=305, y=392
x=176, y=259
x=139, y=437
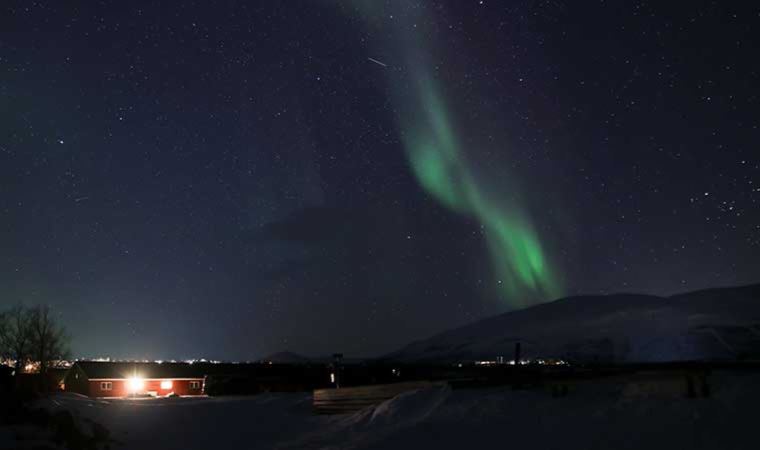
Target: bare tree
x=49, y=341
x=16, y=335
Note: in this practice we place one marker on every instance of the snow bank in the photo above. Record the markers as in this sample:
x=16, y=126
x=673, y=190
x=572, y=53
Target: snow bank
x=596, y=414
x=196, y=422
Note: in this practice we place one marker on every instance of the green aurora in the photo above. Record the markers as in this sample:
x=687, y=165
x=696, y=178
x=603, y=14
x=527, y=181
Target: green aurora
x=520, y=266
x=435, y=157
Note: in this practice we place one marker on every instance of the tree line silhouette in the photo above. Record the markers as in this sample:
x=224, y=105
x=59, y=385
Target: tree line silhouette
x=32, y=335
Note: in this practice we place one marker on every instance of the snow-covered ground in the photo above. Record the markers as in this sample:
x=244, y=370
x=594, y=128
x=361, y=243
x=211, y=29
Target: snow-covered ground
x=594, y=415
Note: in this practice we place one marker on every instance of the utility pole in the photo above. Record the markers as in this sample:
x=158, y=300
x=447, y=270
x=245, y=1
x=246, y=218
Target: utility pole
x=337, y=369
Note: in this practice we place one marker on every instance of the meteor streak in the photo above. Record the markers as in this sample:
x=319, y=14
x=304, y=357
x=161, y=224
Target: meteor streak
x=378, y=62
x=443, y=159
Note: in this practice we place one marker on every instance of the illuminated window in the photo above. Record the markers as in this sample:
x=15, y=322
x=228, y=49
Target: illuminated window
x=106, y=386
x=195, y=385
x=166, y=384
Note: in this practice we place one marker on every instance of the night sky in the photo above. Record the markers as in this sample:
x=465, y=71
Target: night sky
x=182, y=179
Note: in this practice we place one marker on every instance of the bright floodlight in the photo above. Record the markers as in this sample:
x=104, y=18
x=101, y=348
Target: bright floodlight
x=135, y=384
x=166, y=384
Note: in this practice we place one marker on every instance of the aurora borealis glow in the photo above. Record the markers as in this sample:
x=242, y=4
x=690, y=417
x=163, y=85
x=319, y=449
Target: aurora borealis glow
x=234, y=179
x=437, y=158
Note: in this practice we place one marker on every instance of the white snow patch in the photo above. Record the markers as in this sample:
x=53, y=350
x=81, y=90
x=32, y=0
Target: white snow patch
x=596, y=414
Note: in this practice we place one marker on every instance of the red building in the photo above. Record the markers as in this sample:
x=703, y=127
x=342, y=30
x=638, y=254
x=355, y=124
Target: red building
x=123, y=379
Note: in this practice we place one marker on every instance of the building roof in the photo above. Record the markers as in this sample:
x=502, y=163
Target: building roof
x=98, y=369
x=174, y=370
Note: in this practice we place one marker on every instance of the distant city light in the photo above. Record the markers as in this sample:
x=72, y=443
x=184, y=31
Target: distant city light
x=539, y=361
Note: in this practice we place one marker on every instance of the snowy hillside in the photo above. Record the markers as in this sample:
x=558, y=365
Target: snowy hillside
x=715, y=324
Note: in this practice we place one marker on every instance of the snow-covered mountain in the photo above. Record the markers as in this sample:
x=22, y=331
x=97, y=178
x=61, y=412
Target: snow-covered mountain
x=714, y=324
